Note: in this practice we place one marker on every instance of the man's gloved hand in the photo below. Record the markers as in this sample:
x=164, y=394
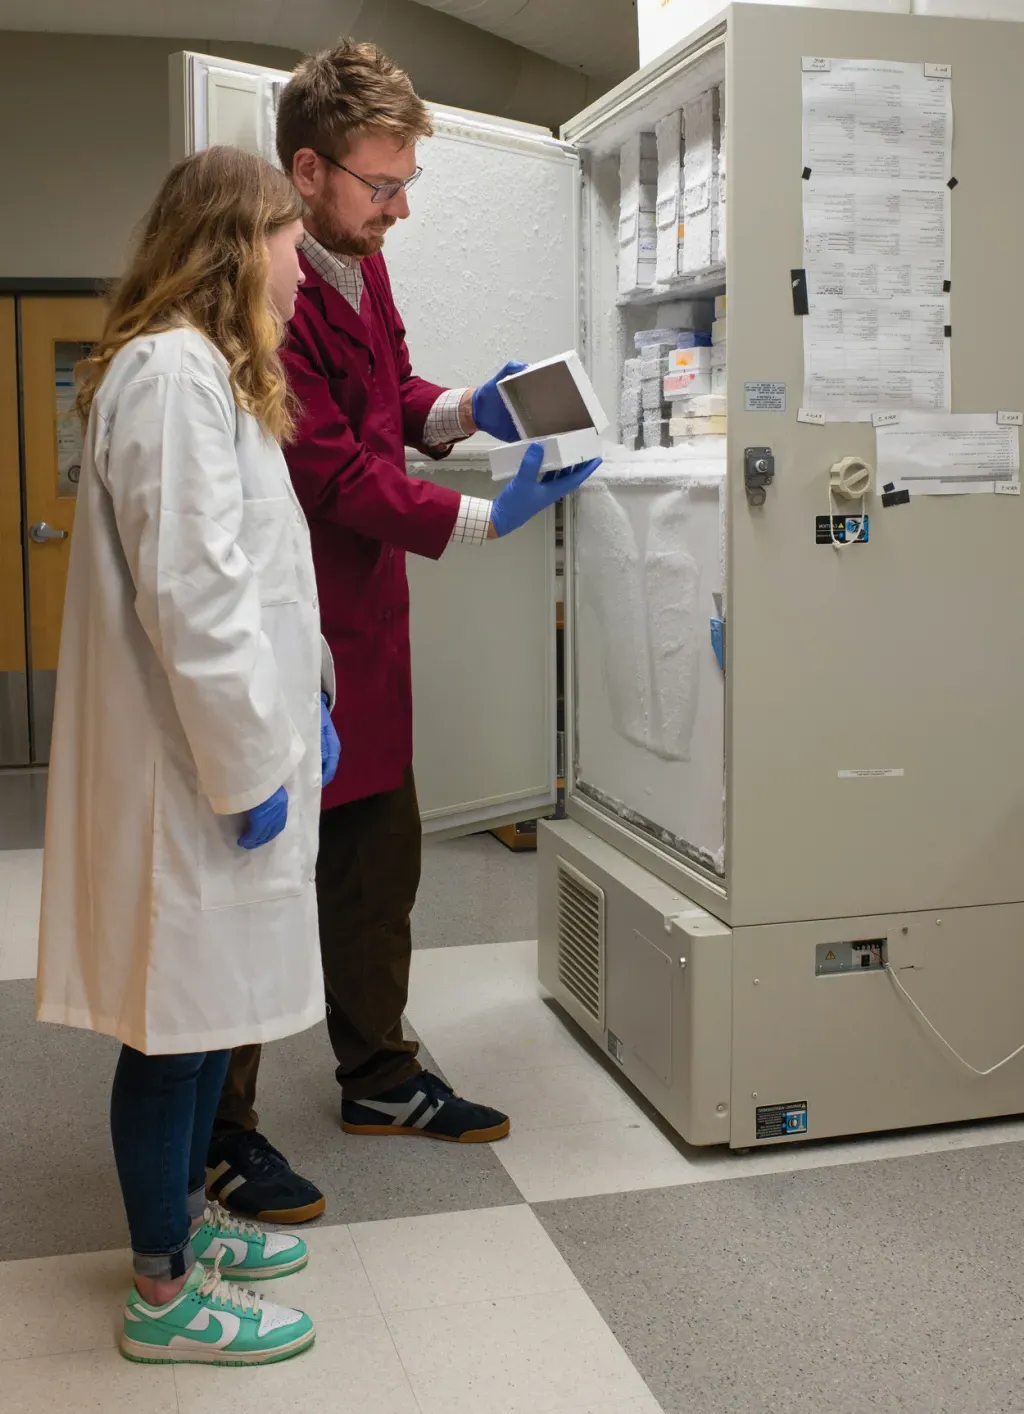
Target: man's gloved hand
x=330, y=746
x=525, y=496
x=489, y=411
x=266, y=821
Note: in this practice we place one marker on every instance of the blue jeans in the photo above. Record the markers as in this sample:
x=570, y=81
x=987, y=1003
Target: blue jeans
x=161, y=1119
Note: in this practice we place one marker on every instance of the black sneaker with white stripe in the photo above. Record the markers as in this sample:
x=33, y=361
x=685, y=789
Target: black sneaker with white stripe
x=248, y=1176
x=426, y=1106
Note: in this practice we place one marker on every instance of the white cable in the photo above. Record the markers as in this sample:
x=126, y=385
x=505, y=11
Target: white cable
x=850, y=479
x=952, y=1050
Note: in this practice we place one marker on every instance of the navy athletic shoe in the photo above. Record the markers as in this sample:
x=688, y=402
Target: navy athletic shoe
x=248, y=1176
x=424, y=1105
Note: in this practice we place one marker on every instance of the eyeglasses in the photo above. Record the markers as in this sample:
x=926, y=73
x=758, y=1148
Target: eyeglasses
x=381, y=194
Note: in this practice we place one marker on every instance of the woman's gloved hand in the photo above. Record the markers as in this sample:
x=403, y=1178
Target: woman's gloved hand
x=330, y=746
x=489, y=411
x=266, y=821
x=525, y=496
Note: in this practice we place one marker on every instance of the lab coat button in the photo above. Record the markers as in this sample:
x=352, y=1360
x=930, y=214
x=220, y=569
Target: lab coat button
x=316, y=602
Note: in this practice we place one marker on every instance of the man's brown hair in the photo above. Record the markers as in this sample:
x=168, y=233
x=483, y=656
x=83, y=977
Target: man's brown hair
x=335, y=96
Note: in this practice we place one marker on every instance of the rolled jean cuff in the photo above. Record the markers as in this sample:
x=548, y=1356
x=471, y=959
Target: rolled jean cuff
x=196, y=1204
x=164, y=1266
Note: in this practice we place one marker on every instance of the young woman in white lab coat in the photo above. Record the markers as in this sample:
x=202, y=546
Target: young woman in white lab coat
x=191, y=737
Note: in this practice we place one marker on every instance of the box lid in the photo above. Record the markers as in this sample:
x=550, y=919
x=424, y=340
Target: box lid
x=552, y=397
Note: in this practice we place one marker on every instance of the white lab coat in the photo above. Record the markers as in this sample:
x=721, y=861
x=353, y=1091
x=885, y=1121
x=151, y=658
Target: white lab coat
x=188, y=691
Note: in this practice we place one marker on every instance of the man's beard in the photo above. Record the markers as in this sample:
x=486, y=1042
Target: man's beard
x=341, y=241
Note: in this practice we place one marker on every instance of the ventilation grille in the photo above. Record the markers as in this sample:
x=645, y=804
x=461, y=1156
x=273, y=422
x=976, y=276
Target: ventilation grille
x=581, y=939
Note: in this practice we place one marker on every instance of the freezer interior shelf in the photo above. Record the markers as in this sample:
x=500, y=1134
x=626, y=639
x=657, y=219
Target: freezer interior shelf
x=694, y=285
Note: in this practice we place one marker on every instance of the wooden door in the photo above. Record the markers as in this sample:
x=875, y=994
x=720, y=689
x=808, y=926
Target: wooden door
x=55, y=333
x=14, y=734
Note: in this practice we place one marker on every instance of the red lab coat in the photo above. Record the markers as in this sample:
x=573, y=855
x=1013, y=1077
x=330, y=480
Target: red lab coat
x=360, y=407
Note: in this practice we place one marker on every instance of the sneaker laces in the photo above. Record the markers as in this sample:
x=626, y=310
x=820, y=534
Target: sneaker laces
x=222, y=1221
x=435, y=1086
x=261, y=1154
x=240, y=1298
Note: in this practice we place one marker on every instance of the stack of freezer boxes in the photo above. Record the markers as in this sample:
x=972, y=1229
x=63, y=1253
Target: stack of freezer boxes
x=674, y=388
x=672, y=201
x=638, y=179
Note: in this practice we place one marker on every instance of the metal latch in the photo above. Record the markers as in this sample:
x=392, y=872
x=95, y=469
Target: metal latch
x=758, y=473
x=41, y=532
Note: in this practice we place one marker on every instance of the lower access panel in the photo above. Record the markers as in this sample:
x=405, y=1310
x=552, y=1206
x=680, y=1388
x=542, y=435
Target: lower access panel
x=828, y=1039
x=646, y=973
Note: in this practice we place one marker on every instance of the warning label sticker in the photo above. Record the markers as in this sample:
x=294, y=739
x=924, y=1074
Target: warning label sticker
x=782, y=1121
x=764, y=397
x=842, y=530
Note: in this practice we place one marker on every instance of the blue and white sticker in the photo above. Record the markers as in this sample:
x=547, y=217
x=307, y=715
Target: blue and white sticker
x=782, y=1121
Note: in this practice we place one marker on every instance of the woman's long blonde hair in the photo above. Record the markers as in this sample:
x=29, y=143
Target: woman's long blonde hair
x=201, y=259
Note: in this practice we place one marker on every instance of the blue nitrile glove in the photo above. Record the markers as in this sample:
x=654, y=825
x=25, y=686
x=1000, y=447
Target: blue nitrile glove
x=718, y=641
x=489, y=411
x=525, y=496
x=266, y=821
x=330, y=746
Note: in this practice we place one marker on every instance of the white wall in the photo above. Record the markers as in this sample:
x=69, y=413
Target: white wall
x=85, y=124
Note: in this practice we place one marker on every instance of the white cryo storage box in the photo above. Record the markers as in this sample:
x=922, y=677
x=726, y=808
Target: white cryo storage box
x=553, y=404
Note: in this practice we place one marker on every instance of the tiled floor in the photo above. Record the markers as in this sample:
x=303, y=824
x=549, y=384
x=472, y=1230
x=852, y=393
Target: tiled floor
x=586, y=1265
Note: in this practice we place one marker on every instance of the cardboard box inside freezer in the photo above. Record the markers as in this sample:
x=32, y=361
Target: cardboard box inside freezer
x=552, y=403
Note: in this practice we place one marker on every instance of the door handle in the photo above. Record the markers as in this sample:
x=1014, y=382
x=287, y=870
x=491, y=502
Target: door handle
x=41, y=532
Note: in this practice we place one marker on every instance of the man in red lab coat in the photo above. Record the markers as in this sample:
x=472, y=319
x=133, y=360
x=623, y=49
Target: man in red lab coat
x=347, y=127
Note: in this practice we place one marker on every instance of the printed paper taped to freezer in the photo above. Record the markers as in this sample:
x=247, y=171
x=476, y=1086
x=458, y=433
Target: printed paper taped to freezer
x=877, y=153
x=949, y=454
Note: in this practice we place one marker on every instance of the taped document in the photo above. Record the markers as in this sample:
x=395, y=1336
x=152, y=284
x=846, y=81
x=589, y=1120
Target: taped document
x=863, y=355
x=877, y=154
x=949, y=454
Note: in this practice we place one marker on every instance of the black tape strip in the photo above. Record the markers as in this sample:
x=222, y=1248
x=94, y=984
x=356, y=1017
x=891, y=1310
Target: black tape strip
x=952, y=183
x=947, y=285
x=801, y=304
x=888, y=487
x=896, y=498
x=948, y=331
x=807, y=174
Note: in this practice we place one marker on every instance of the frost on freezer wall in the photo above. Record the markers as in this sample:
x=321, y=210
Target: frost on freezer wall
x=647, y=610
x=461, y=330
x=672, y=584
x=650, y=694
x=612, y=587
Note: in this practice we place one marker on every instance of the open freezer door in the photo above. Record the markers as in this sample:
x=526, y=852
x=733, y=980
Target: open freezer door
x=485, y=270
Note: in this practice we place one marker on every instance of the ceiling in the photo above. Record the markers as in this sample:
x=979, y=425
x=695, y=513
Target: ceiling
x=598, y=37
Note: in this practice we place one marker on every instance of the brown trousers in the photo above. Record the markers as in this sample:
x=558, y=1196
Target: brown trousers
x=367, y=874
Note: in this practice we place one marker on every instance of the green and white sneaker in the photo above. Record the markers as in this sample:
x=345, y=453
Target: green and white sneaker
x=211, y=1322
x=245, y=1251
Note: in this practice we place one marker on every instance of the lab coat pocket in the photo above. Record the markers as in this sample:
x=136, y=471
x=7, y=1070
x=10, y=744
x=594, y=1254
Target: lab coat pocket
x=230, y=876
x=267, y=540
